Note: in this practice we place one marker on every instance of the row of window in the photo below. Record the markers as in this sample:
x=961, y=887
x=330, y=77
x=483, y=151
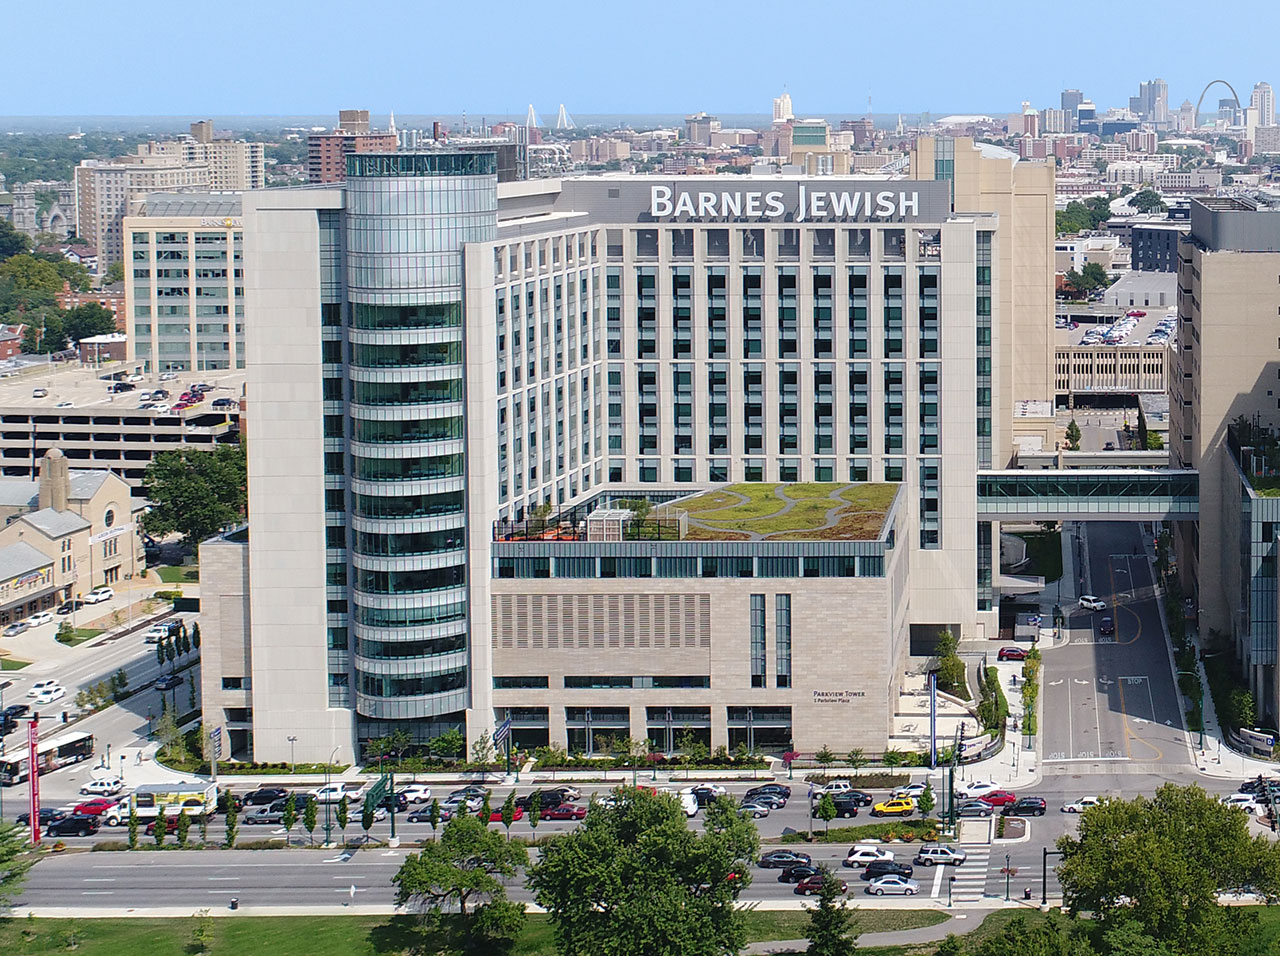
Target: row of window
x=605, y=682
x=692, y=566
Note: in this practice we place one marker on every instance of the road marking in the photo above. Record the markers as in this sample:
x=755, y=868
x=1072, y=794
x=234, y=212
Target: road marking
x=97, y=893
x=99, y=879
x=1083, y=759
x=1055, y=683
x=937, y=881
x=1071, y=743
x=1077, y=680
x=213, y=878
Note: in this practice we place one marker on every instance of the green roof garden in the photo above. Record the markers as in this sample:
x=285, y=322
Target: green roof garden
x=813, y=511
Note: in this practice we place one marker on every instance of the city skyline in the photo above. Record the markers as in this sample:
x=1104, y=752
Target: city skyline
x=894, y=65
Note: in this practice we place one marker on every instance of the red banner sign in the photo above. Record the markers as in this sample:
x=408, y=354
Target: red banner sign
x=33, y=776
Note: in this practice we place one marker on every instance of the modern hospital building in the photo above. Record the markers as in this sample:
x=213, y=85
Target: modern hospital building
x=460, y=390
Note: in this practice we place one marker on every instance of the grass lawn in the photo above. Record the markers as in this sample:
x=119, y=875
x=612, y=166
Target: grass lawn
x=78, y=635
x=1044, y=549
x=178, y=575
x=9, y=664
x=859, y=508
x=341, y=935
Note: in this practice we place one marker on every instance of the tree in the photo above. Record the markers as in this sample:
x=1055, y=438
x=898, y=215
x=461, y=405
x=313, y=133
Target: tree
x=160, y=652
x=183, y=829
x=133, y=827
x=115, y=273
x=509, y=812
x=161, y=827
x=29, y=273
x=1054, y=935
x=857, y=759
x=1147, y=200
x=343, y=814
x=482, y=749
x=825, y=757
x=1095, y=275
x=195, y=493
x=310, y=813
x=122, y=684
x=485, y=813
x=1073, y=436
x=366, y=818
x=290, y=816
x=14, y=861
x=173, y=745
x=951, y=669
x=926, y=801
x=170, y=651
x=12, y=241
x=202, y=932
x=534, y=813
x=634, y=878
x=231, y=819
x=831, y=927
x=1159, y=862
x=1155, y=441
x=466, y=870
x=195, y=635
x=692, y=750
x=450, y=743
x=826, y=810
x=44, y=333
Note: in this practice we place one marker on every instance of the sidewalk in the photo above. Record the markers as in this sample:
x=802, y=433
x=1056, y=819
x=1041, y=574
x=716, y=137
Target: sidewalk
x=960, y=923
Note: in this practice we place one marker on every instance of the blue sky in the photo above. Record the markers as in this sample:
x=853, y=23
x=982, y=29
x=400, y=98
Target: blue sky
x=429, y=57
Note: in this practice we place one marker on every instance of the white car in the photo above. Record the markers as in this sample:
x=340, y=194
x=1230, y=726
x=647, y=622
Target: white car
x=833, y=788
x=417, y=793
x=463, y=804
x=103, y=787
x=715, y=788
x=53, y=693
x=168, y=376
x=98, y=595
x=333, y=793
x=912, y=790
x=862, y=854
x=1244, y=801
x=162, y=409
x=977, y=789
x=1092, y=603
x=1081, y=805
x=40, y=617
x=42, y=686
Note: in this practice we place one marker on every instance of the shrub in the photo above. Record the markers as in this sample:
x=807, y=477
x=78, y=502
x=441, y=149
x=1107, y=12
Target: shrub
x=869, y=831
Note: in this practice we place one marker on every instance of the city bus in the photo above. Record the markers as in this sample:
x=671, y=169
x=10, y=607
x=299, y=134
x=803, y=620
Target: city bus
x=50, y=755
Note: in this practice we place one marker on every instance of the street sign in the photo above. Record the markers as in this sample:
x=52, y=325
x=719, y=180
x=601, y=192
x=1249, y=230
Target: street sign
x=377, y=791
x=217, y=743
x=33, y=774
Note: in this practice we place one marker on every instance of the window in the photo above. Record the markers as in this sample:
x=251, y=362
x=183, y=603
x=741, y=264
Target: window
x=782, y=638
x=757, y=641
x=233, y=683
x=520, y=682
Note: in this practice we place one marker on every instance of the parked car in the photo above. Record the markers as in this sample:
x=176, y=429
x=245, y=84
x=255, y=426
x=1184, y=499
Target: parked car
x=878, y=868
x=893, y=884
x=1025, y=807
x=423, y=815
x=862, y=854
x=68, y=607
x=902, y=807
x=47, y=815
x=1092, y=603
x=756, y=811
x=774, y=801
x=170, y=825
x=977, y=788
x=975, y=808
x=120, y=387
x=40, y=686
x=797, y=873
x=912, y=790
x=496, y=815
x=1245, y=801
x=566, y=811
x=264, y=796
x=941, y=854
x=781, y=859
x=813, y=884
x=40, y=617
x=1012, y=654
x=844, y=807
x=103, y=787
x=168, y=376
x=16, y=628
x=98, y=595
x=1081, y=805
x=168, y=682
x=551, y=797
x=74, y=825
x=417, y=793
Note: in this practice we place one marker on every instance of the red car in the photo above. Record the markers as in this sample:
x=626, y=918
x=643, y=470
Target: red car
x=95, y=807
x=813, y=884
x=1136, y=314
x=566, y=811
x=496, y=816
x=999, y=798
x=170, y=825
x=1012, y=654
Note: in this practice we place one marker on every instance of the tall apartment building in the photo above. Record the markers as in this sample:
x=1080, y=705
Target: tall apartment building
x=782, y=111
x=184, y=285
x=109, y=190
x=1224, y=416
x=1263, y=99
x=234, y=165
x=454, y=382
x=327, y=152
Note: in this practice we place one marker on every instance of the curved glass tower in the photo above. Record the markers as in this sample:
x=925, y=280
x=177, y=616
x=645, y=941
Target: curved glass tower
x=408, y=217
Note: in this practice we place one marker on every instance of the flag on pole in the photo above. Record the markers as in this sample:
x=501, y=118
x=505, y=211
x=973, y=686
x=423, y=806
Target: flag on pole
x=503, y=732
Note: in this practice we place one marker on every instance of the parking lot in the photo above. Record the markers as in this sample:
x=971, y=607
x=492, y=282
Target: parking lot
x=1138, y=336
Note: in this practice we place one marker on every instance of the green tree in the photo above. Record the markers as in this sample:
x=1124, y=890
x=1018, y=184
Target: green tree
x=290, y=816
x=857, y=759
x=485, y=813
x=1159, y=862
x=1051, y=936
x=509, y=812
x=231, y=820
x=202, y=932
x=12, y=241
x=44, y=333
x=1147, y=200
x=133, y=827
x=160, y=652
x=1073, y=436
x=534, y=813
x=450, y=743
x=635, y=878
x=951, y=669
x=1155, y=441
x=160, y=827
x=343, y=814
x=195, y=493
x=14, y=862
x=826, y=810
x=466, y=870
x=183, y=829
x=825, y=757
x=310, y=814
x=195, y=635
x=1095, y=275
x=482, y=749
x=691, y=748
x=29, y=273
x=434, y=816
x=114, y=274
x=173, y=744
x=926, y=801
x=832, y=931
x=366, y=818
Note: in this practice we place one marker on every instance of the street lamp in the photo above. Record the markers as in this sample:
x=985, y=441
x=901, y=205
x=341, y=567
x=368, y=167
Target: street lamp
x=1007, y=876
x=1044, y=873
x=1200, y=705
x=328, y=825
x=292, y=740
x=950, y=883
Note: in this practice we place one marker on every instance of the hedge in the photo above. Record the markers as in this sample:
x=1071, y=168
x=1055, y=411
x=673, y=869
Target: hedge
x=924, y=831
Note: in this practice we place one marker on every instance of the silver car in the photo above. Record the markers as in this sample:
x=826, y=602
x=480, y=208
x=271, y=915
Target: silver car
x=900, y=885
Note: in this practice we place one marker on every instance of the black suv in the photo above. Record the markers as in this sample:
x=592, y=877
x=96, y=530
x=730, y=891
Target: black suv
x=399, y=799
x=551, y=797
x=74, y=825
x=794, y=874
x=1024, y=807
x=780, y=789
x=878, y=868
x=264, y=796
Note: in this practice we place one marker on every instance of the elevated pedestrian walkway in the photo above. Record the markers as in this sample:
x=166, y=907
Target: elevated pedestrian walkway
x=1081, y=494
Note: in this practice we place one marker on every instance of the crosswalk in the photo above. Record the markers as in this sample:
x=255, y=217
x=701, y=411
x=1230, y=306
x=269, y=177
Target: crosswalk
x=971, y=876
